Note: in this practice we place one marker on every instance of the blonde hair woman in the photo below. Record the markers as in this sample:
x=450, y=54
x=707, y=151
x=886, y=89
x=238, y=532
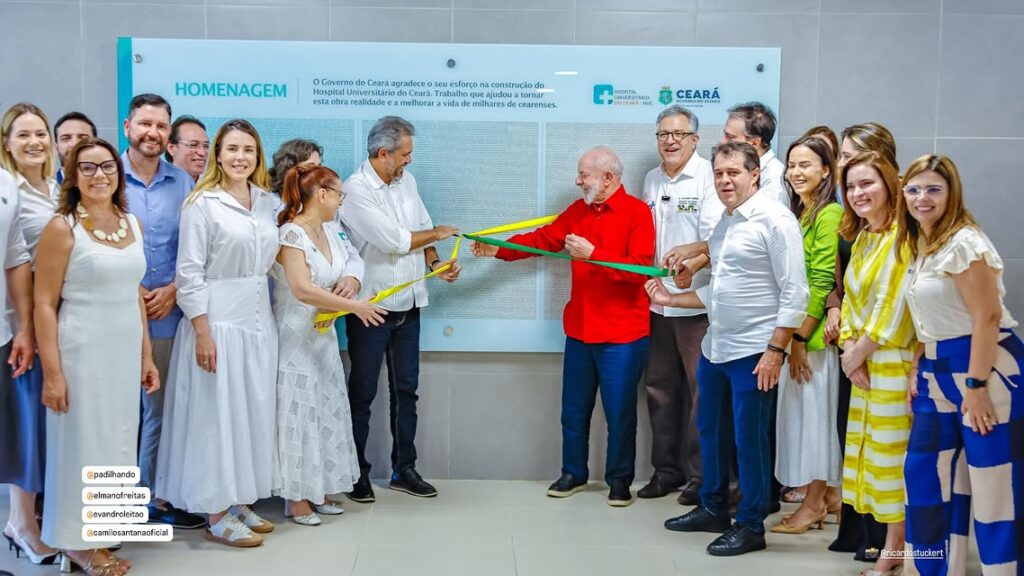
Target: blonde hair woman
x=965, y=443
x=877, y=339
x=26, y=151
x=217, y=450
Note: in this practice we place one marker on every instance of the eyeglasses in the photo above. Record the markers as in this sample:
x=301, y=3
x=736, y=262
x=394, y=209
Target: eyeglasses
x=341, y=195
x=89, y=168
x=932, y=191
x=677, y=135
x=196, y=145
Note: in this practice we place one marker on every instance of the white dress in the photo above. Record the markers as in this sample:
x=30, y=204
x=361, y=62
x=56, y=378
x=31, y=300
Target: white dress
x=316, y=451
x=218, y=444
x=806, y=440
x=99, y=335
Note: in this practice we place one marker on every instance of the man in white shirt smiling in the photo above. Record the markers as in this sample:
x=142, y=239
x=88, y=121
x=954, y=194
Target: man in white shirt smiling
x=754, y=123
x=681, y=194
x=390, y=227
x=757, y=297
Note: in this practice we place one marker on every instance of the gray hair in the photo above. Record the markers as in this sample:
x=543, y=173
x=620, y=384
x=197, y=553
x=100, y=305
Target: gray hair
x=605, y=159
x=677, y=110
x=387, y=134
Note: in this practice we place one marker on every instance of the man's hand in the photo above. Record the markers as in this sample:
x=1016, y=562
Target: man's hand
x=677, y=256
x=578, y=246
x=480, y=249
x=160, y=301
x=442, y=231
x=452, y=273
x=348, y=287
x=768, y=369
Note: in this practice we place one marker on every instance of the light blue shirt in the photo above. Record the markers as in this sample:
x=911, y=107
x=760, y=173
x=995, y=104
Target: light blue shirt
x=158, y=208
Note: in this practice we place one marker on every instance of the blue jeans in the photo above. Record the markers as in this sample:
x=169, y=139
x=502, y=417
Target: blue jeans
x=615, y=370
x=720, y=386
x=397, y=341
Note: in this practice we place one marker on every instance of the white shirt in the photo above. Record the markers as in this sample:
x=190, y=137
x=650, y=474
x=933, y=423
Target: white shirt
x=936, y=306
x=773, y=171
x=685, y=209
x=12, y=242
x=35, y=210
x=219, y=240
x=381, y=219
x=758, y=279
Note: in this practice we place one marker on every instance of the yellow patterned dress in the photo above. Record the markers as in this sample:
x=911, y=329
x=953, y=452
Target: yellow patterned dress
x=879, y=423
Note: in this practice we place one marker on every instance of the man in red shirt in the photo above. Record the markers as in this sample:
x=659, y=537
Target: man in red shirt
x=606, y=320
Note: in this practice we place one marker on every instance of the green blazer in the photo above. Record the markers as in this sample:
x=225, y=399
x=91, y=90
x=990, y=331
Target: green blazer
x=821, y=246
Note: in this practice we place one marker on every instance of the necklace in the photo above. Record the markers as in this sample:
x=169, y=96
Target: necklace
x=115, y=237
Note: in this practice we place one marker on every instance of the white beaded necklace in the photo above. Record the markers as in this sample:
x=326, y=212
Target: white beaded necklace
x=115, y=237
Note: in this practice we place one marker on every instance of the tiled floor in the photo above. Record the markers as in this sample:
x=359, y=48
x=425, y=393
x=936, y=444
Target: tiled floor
x=479, y=528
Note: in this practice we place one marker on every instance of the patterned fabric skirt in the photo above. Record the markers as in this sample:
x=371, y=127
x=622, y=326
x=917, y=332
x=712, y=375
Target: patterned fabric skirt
x=876, y=438
x=951, y=469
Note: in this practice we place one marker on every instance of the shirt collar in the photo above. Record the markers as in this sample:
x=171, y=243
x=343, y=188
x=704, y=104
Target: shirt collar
x=376, y=182
x=22, y=182
x=614, y=202
x=689, y=169
x=222, y=195
x=767, y=157
x=751, y=206
x=163, y=171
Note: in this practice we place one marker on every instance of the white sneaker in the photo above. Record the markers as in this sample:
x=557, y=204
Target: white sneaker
x=231, y=532
x=251, y=519
x=329, y=508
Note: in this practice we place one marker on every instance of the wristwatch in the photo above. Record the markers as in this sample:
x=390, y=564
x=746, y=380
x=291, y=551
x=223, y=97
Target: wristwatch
x=974, y=383
x=432, y=264
x=799, y=338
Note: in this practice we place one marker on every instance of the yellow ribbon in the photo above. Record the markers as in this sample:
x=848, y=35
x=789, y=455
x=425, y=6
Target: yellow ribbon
x=531, y=223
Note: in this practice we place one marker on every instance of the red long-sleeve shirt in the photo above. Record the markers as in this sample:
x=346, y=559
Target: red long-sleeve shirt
x=605, y=305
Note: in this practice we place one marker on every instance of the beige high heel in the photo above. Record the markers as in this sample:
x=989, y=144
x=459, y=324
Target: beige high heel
x=111, y=567
x=785, y=527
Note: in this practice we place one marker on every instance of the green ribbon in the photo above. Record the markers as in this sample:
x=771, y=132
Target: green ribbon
x=635, y=268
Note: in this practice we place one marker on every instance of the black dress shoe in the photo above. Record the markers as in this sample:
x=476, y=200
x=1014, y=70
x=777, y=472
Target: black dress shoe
x=180, y=519
x=737, y=540
x=698, y=520
x=410, y=482
x=362, y=492
x=656, y=488
x=690, y=495
x=567, y=485
x=619, y=494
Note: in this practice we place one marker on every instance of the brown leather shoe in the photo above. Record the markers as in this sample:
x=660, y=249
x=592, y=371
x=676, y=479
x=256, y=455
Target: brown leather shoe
x=656, y=488
x=690, y=495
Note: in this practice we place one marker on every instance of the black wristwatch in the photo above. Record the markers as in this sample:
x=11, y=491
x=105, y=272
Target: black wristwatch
x=799, y=338
x=975, y=383
x=432, y=264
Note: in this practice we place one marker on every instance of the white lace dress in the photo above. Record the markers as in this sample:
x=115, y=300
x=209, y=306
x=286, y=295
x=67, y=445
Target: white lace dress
x=316, y=451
